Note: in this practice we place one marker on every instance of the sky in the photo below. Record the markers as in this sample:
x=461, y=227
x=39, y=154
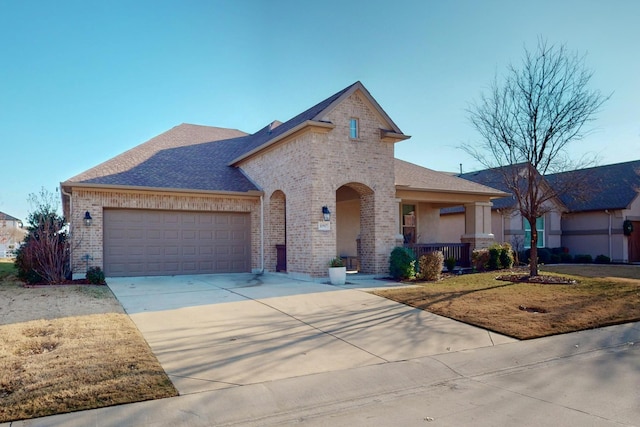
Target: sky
x=83, y=81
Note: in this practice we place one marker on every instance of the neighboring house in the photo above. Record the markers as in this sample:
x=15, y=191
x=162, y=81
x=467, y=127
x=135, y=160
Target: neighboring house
x=11, y=235
x=506, y=222
x=200, y=199
x=595, y=225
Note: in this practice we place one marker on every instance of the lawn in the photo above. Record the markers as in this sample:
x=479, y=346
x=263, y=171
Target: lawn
x=63, y=362
x=603, y=295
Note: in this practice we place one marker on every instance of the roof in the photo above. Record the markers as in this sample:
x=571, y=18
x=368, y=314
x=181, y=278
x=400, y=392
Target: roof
x=412, y=176
x=612, y=186
x=194, y=157
x=185, y=157
x=5, y=217
x=493, y=178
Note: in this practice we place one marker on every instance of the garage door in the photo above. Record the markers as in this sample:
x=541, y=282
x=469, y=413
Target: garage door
x=160, y=243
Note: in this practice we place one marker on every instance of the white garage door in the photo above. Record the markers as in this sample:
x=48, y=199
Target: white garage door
x=160, y=243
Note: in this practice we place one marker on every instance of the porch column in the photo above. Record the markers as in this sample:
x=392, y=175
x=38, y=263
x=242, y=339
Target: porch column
x=399, y=237
x=477, y=221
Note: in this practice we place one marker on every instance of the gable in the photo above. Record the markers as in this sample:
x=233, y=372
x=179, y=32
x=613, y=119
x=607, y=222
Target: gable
x=320, y=117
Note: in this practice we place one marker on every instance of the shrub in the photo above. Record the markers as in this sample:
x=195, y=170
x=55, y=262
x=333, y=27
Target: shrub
x=450, y=263
x=44, y=255
x=494, y=257
x=566, y=257
x=555, y=259
x=544, y=255
x=506, y=256
x=480, y=259
x=431, y=265
x=402, y=263
x=582, y=259
x=602, y=259
x=95, y=276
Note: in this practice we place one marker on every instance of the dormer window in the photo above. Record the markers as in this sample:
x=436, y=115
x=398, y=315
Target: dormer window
x=353, y=128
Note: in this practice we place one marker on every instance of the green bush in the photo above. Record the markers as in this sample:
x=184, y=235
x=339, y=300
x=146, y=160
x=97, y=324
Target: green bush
x=95, y=276
x=431, y=265
x=402, y=263
x=602, y=259
x=494, y=257
x=555, y=258
x=450, y=263
x=583, y=259
x=544, y=256
x=566, y=257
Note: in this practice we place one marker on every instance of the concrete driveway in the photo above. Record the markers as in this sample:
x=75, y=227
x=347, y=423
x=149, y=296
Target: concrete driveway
x=219, y=331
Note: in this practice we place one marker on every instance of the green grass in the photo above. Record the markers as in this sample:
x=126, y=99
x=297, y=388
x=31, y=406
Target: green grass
x=7, y=268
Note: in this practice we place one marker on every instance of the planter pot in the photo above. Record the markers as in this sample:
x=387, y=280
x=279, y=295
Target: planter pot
x=338, y=275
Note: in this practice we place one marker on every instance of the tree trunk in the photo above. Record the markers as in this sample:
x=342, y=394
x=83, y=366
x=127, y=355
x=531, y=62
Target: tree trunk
x=533, y=257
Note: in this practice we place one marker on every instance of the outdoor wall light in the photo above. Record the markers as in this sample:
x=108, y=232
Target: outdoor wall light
x=326, y=214
x=87, y=219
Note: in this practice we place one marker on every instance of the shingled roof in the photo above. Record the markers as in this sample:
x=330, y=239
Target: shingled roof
x=185, y=157
x=412, y=176
x=6, y=217
x=493, y=178
x=612, y=186
x=202, y=157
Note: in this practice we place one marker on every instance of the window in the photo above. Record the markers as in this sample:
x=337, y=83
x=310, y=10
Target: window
x=527, y=232
x=409, y=223
x=353, y=128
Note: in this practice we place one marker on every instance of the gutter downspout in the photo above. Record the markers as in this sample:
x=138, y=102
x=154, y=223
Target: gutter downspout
x=609, y=214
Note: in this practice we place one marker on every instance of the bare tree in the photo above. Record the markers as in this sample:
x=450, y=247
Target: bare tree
x=526, y=124
x=44, y=256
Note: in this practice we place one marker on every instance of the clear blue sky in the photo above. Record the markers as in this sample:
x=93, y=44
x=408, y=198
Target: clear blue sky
x=82, y=81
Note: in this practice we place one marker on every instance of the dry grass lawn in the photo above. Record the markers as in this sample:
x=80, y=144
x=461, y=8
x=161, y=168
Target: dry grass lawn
x=522, y=310
x=63, y=363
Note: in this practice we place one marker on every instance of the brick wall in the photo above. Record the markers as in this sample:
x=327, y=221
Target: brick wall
x=311, y=166
x=89, y=240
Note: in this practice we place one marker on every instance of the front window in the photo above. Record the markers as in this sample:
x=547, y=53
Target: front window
x=353, y=128
x=539, y=229
x=409, y=223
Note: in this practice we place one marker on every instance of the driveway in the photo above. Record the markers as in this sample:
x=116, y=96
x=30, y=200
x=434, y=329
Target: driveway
x=220, y=331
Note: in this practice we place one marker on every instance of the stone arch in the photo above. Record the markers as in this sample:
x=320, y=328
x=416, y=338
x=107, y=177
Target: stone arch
x=355, y=225
x=276, y=232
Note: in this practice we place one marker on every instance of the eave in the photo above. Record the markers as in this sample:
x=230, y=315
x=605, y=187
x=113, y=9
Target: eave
x=66, y=186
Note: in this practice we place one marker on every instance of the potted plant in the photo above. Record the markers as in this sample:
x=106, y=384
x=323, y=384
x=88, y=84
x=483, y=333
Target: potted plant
x=337, y=271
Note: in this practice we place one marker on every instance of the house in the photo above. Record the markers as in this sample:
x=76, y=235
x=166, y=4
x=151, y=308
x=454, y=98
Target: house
x=291, y=196
x=506, y=222
x=11, y=235
x=607, y=222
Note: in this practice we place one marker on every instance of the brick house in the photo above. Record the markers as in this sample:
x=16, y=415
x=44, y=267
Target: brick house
x=506, y=222
x=11, y=235
x=200, y=199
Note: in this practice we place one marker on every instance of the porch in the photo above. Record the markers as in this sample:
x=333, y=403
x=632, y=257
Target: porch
x=461, y=252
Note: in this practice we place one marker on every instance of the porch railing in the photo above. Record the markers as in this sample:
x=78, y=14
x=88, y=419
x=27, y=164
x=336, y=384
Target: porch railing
x=460, y=251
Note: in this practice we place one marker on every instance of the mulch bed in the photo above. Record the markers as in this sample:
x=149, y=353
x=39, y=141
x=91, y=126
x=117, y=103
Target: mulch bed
x=542, y=279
